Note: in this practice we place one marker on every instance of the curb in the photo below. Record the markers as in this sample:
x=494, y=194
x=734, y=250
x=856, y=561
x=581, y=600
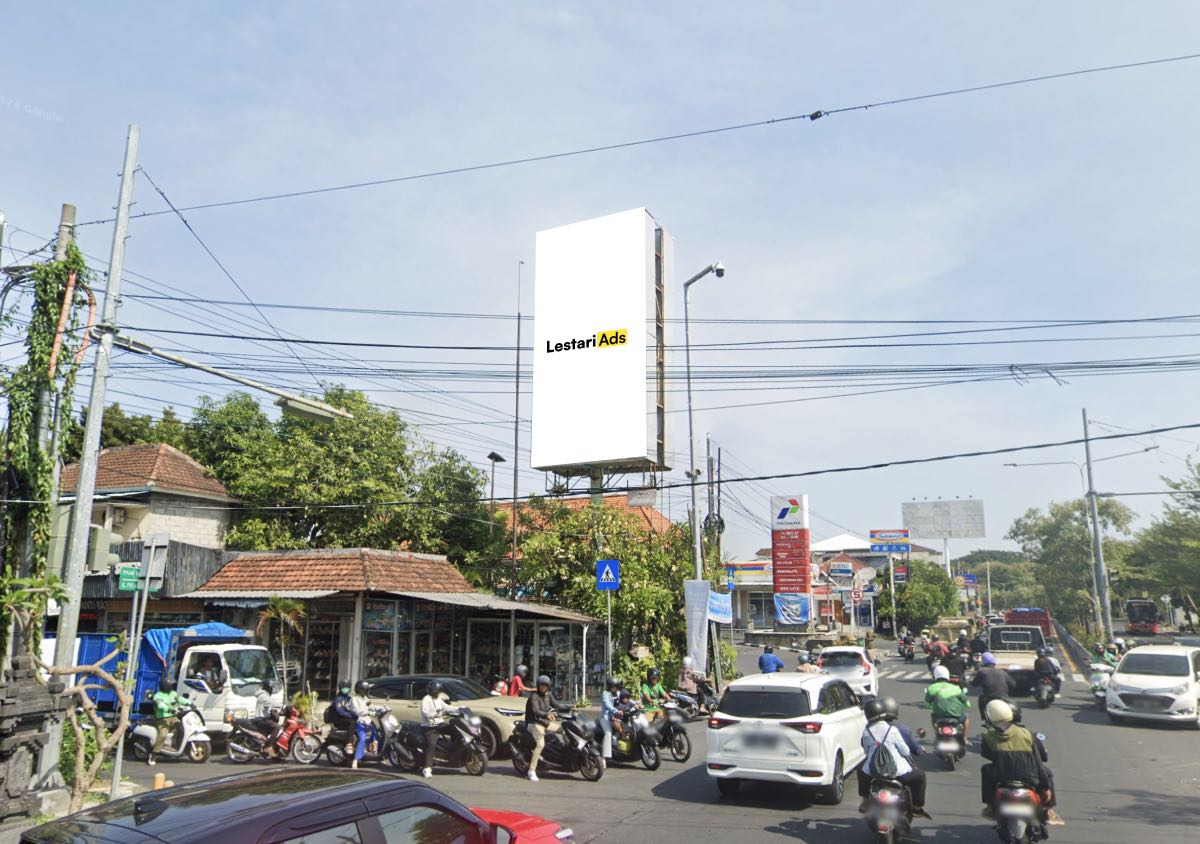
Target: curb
x=1074, y=650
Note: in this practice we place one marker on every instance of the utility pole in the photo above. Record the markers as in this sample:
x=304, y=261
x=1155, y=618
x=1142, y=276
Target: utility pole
x=516, y=444
x=1097, y=544
x=81, y=516
x=989, y=585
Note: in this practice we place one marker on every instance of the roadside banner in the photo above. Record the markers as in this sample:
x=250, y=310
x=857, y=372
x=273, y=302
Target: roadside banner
x=792, y=608
x=695, y=601
x=720, y=607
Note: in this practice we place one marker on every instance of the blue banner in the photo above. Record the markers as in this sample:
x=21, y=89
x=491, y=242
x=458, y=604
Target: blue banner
x=720, y=607
x=792, y=608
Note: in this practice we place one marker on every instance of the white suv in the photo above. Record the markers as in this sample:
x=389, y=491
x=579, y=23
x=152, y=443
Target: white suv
x=800, y=728
x=852, y=665
x=1156, y=683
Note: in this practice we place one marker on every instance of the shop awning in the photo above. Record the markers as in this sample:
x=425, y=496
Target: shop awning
x=260, y=594
x=483, y=601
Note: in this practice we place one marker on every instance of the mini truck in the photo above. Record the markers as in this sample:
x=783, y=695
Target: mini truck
x=180, y=654
x=1015, y=647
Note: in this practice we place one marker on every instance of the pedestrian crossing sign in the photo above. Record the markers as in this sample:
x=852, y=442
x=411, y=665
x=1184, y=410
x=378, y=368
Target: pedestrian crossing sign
x=608, y=575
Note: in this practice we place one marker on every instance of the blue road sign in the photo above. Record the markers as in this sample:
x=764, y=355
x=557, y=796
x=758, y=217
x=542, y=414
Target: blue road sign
x=608, y=575
x=889, y=547
x=970, y=579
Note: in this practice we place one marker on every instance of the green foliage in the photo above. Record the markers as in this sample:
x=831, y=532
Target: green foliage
x=1014, y=581
x=923, y=599
x=305, y=703
x=1165, y=557
x=66, y=759
x=975, y=560
x=120, y=428
x=1059, y=544
x=288, y=613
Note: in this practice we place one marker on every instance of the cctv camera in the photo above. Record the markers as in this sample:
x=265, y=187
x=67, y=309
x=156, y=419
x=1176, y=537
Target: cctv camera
x=719, y=269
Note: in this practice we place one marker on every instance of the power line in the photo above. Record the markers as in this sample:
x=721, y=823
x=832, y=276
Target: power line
x=531, y=159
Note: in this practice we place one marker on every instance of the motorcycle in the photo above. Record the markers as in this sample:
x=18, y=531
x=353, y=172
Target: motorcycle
x=262, y=738
x=703, y=702
x=458, y=745
x=573, y=748
x=1099, y=677
x=673, y=734
x=950, y=741
x=381, y=747
x=909, y=653
x=640, y=743
x=1044, y=691
x=889, y=813
x=189, y=740
x=1020, y=814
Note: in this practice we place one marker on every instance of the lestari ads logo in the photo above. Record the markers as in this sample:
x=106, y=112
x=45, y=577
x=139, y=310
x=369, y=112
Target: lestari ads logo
x=599, y=340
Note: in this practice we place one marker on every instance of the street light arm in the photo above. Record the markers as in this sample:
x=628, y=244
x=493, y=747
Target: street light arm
x=715, y=267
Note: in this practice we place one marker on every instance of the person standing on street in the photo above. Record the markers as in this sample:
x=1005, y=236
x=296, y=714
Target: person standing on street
x=433, y=716
x=541, y=714
x=768, y=663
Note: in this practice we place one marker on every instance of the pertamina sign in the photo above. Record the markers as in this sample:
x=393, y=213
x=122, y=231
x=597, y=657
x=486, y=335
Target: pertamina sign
x=790, y=545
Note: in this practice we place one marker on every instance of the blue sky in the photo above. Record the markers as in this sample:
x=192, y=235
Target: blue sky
x=1066, y=199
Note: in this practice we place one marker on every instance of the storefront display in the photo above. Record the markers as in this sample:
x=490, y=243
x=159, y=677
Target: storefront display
x=321, y=657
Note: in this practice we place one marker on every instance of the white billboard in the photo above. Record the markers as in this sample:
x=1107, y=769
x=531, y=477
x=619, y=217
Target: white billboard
x=597, y=334
x=956, y=519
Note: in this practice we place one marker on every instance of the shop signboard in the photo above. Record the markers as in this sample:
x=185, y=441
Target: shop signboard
x=790, y=544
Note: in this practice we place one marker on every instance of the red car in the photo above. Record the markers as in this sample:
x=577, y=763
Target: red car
x=274, y=806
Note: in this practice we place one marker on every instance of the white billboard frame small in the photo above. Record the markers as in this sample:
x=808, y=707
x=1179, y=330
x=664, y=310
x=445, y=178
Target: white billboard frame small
x=955, y=518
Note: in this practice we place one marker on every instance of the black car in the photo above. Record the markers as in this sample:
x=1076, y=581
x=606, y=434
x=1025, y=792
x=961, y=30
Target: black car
x=288, y=806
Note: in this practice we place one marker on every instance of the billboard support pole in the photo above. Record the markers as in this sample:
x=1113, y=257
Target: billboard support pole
x=946, y=556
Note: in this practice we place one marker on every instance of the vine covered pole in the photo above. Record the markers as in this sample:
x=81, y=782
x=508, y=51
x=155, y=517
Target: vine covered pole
x=81, y=516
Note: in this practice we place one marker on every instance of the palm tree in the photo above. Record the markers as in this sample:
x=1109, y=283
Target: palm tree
x=288, y=612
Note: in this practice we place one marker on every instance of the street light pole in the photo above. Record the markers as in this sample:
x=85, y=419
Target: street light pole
x=693, y=473
x=495, y=458
x=1097, y=545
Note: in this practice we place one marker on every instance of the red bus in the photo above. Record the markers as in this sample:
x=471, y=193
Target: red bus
x=1141, y=616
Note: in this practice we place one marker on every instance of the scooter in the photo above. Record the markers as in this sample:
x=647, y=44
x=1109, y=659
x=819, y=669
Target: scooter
x=381, y=747
x=950, y=741
x=573, y=748
x=673, y=734
x=458, y=745
x=639, y=744
x=1020, y=814
x=909, y=652
x=262, y=738
x=188, y=741
x=889, y=813
x=1044, y=691
x=1100, y=675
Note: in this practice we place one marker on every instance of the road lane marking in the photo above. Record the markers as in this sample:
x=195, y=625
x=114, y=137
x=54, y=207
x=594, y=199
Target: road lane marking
x=1078, y=678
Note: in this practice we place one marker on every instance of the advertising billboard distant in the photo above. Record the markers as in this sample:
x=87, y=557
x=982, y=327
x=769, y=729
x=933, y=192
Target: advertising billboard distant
x=599, y=289
x=951, y=519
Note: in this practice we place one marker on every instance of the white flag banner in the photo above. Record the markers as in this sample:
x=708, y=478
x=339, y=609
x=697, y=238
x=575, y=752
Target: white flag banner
x=695, y=597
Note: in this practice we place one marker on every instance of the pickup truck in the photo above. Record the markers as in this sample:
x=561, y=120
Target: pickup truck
x=1015, y=647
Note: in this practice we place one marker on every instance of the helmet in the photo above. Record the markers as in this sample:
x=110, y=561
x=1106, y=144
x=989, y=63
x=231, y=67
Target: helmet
x=891, y=708
x=935, y=637
x=688, y=662
x=875, y=710
x=362, y=687
x=543, y=680
x=1098, y=648
x=165, y=685
x=523, y=670
x=1043, y=652
x=624, y=695
x=962, y=632
x=989, y=658
x=344, y=687
x=767, y=649
x=612, y=683
x=435, y=688
x=941, y=673
x=653, y=674
x=803, y=658
x=999, y=712
x=1118, y=641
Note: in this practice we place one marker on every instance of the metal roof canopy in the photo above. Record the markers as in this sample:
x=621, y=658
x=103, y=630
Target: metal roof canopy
x=482, y=601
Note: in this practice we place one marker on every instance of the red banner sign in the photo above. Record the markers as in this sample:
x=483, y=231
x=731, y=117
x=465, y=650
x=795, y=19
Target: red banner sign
x=790, y=560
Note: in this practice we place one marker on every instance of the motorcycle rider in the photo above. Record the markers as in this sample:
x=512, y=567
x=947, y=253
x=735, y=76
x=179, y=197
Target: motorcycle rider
x=947, y=700
x=979, y=645
x=964, y=642
x=541, y=714
x=768, y=663
x=166, y=702
x=1103, y=656
x=608, y=714
x=654, y=694
x=1045, y=666
x=937, y=649
x=957, y=667
x=517, y=684
x=805, y=665
x=433, y=719
x=1121, y=646
x=883, y=728
x=689, y=678
x=364, y=730
x=994, y=683
x=1014, y=755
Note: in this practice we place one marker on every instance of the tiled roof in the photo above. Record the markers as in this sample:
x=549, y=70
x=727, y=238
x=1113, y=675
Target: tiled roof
x=338, y=569
x=156, y=466
x=654, y=521
x=846, y=558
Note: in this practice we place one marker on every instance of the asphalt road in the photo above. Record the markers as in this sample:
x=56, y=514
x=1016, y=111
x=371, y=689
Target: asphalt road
x=1116, y=784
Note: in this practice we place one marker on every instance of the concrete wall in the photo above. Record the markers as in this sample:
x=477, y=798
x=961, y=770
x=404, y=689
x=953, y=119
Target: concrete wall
x=187, y=520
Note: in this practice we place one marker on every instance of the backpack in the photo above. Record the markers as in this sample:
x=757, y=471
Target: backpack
x=330, y=716
x=883, y=762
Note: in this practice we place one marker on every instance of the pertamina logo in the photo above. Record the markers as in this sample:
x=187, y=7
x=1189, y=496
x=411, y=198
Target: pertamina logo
x=599, y=340
x=788, y=511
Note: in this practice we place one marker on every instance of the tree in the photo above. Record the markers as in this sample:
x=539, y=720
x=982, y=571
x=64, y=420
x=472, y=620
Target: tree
x=925, y=597
x=1013, y=580
x=1165, y=557
x=120, y=428
x=288, y=612
x=1059, y=544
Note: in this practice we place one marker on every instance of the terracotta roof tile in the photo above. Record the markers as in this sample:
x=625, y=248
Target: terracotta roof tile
x=654, y=521
x=156, y=465
x=340, y=569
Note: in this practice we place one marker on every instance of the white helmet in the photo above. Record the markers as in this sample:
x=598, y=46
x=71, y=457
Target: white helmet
x=688, y=662
x=962, y=632
x=941, y=673
x=999, y=712
x=1119, y=642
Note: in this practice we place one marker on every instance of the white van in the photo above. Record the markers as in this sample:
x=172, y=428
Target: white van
x=800, y=728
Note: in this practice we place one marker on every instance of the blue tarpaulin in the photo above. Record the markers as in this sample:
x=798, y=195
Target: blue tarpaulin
x=160, y=640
